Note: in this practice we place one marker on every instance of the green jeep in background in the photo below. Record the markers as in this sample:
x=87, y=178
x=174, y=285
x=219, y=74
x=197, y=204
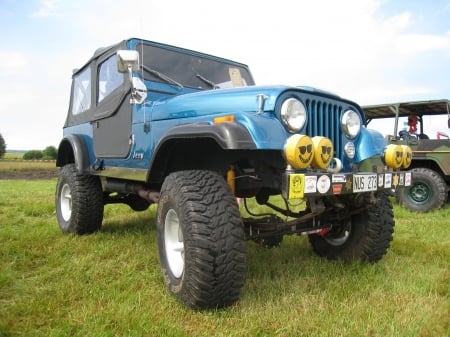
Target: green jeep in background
x=431, y=152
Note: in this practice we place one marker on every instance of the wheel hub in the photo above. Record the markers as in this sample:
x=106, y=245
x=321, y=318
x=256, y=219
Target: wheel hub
x=66, y=202
x=338, y=235
x=420, y=193
x=174, y=244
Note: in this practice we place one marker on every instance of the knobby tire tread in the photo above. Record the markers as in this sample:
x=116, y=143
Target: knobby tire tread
x=87, y=201
x=371, y=234
x=213, y=239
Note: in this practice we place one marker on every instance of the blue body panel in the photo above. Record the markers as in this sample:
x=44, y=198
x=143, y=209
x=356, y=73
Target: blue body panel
x=168, y=105
x=265, y=128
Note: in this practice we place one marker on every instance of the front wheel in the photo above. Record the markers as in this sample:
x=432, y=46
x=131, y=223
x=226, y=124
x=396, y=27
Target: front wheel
x=200, y=239
x=79, y=202
x=364, y=236
x=428, y=191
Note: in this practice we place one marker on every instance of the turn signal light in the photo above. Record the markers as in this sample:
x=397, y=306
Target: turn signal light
x=222, y=119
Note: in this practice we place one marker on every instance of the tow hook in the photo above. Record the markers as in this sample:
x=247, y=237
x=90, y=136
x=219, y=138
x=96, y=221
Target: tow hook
x=319, y=231
x=324, y=231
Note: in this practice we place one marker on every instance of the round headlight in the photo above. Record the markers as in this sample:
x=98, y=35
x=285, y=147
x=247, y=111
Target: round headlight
x=351, y=123
x=293, y=114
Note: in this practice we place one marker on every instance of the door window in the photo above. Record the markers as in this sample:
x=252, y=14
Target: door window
x=109, y=78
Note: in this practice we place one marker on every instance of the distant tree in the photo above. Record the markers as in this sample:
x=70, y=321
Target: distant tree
x=49, y=153
x=33, y=154
x=2, y=146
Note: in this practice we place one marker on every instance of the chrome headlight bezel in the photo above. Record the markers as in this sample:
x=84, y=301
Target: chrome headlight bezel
x=351, y=123
x=293, y=114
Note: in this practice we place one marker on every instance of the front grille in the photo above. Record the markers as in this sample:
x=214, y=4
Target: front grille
x=324, y=119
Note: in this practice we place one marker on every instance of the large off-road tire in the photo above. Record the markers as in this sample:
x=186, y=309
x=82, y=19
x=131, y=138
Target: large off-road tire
x=79, y=202
x=200, y=239
x=365, y=236
x=428, y=191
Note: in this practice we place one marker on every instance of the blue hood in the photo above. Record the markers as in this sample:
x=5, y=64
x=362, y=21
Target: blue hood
x=223, y=101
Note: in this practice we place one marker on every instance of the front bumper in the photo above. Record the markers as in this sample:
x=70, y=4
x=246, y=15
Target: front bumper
x=311, y=184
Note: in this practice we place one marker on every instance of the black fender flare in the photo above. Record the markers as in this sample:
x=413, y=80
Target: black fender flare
x=72, y=149
x=228, y=135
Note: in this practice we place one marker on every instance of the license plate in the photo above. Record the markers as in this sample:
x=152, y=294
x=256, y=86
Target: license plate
x=364, y=182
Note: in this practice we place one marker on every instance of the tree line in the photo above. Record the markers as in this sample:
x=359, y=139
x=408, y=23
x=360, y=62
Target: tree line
x=49, y=153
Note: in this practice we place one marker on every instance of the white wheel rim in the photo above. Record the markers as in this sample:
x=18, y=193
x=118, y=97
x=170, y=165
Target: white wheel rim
x=174, y=244
x=65, y=202
x=344, y=235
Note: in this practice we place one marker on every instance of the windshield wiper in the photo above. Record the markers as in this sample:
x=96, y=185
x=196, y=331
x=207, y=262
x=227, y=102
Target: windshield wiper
x=161, y=76
x=209, y=82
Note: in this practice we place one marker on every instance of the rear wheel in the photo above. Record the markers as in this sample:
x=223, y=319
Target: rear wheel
x=364, y=236
x=79, y=202
x=428, y=191
x=200, y=239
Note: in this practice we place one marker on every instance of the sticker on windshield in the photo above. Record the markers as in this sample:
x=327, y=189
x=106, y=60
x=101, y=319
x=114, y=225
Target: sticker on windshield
x=236, y=78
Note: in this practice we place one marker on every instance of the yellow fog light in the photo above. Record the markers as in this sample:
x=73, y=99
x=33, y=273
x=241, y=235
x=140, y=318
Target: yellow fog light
x=407, y=156
x=299, y=151
x=323, y=152
x=393, y=155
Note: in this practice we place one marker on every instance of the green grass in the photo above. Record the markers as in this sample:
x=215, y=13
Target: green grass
x=109, y=284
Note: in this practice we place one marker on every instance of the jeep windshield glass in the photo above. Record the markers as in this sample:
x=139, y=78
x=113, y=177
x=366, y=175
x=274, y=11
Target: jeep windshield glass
x=161, y=76
x=189, y=69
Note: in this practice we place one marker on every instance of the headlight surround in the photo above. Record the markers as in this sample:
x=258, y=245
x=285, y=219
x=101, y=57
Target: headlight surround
x=293, y=114
x=351, y=123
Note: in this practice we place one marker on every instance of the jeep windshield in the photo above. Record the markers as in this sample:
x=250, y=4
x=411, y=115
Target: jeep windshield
x=190, y=69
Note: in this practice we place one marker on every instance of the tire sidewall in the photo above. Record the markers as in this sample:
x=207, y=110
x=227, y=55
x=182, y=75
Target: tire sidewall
x=348, y=250
x=66, y=177
x=370, y=234
x=212, y=236
x=86, y=201
x=435, y=186
x=169, y=200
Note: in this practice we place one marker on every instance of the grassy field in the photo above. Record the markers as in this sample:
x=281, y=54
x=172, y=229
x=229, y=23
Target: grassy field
x=13, y=156
x=109, y=284
x=12, y=166
x=25, y=165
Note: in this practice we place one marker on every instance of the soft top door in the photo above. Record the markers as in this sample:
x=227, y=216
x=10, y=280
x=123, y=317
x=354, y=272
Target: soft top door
x=112, y=117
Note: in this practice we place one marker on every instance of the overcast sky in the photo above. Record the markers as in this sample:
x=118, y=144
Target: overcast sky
x=369, y=51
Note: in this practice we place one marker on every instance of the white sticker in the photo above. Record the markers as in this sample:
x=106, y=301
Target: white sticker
x=323, y=184
x=388, y=180
x=408, y=179
x=380, y=180
x=338, y=178
x=236, y=78
x=310, y=184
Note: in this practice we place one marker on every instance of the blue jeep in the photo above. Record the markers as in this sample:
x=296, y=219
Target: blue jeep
x=152, y=123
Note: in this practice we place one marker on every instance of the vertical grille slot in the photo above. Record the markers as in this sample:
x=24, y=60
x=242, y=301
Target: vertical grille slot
x=324, y=120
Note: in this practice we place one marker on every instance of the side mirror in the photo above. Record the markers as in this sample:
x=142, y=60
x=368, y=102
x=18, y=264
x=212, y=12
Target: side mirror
x=448, y=122
x=127, y=61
